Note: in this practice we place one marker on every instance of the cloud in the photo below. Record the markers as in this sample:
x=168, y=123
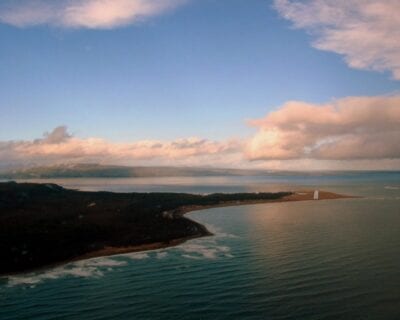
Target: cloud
x=93, y=14
x=345, y=129
x=59, y=146
x=58, y=135
x=365, y=32
x=348, y=133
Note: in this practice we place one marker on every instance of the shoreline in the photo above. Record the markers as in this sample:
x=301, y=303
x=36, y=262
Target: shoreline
x=305, y=195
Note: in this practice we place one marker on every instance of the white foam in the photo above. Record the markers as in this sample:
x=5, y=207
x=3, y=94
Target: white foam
x=33, y=279
x=100, y=262
x=207, y=247
x=136, y=255
x=203, y=248
x=206, y=250
x=161, y=255
x=82, y=269
x=218, y=233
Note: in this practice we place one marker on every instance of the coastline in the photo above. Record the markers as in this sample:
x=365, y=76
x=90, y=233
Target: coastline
x=306, y=195
x=173, y=217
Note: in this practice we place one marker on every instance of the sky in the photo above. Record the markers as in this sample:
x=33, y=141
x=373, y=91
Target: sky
x=279, y=84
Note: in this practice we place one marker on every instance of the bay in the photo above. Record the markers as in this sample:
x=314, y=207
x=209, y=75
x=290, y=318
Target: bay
x=330, y=259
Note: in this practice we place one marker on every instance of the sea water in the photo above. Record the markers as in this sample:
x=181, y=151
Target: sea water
x=324, y=259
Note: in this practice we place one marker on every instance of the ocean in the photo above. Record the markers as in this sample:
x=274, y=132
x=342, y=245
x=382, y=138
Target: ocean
x=325, y=259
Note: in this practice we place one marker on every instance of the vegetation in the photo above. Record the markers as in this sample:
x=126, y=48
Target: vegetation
x=42, y=224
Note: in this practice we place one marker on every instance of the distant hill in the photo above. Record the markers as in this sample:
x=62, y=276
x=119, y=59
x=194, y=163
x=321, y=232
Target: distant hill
x=109, y=171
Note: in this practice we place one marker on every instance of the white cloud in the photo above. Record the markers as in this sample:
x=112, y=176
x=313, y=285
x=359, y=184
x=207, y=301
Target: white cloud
x=60, y=147
x=348, y=133
x=351, y=133
x=365, y=32
x=346, y=129
x=93, y=14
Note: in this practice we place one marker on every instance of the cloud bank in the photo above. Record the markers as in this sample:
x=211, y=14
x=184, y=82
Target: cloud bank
x=365, y=32
x=59, y=146
x=93, y=14
x=349, y=133
x=345, y=129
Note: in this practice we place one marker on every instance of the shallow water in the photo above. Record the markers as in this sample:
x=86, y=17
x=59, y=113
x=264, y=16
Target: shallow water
x=333, y=259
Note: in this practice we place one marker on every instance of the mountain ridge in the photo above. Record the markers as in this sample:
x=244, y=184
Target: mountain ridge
x=86, y=170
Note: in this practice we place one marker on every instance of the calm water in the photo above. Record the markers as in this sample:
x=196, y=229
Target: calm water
x=335, y=259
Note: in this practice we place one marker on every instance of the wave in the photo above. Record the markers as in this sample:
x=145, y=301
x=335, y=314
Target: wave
x=136, y=255
x=203, y=248
x=161, y=255
x=218, y=233
x=82, y=269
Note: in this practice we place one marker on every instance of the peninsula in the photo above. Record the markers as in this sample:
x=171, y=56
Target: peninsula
x=46, y=224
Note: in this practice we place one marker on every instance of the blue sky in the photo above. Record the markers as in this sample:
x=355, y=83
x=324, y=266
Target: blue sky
x=200, y=70
x=203, y=69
